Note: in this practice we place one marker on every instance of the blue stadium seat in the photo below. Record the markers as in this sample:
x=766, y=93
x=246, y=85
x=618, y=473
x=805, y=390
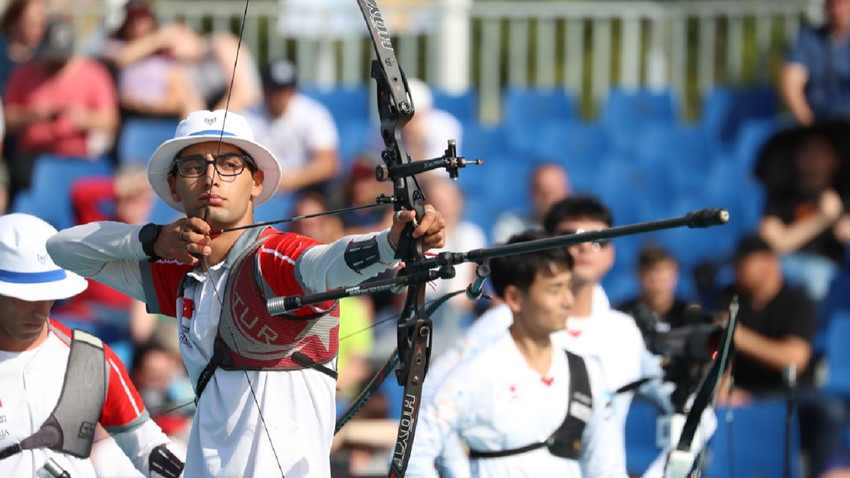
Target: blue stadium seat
x=683, y=149
x=837, y=354
x=693, y=246
x=464, y=106
x=626, y=110
x=49, y=195
x=482, y=141
x=642, y=190
x=353, y=139
x=753, y=444
x=277, y=208
x=525, y=110
x=724, y=109
x=577, y=145
x=752, y=136
x=349, y=103
x=641, y=425
x=139, y=138
x=836, y=301
x=728, y=185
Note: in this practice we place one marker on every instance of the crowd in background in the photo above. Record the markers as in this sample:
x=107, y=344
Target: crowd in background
x=784, y=263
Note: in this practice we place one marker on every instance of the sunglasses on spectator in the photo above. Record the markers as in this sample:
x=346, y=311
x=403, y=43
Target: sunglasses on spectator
x=596, y=245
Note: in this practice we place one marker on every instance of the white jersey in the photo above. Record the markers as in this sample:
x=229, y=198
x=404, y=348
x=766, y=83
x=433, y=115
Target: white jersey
x=489, y=326
x=30, y=385
x=229, y=437
x=494, y=401
x=304, y=128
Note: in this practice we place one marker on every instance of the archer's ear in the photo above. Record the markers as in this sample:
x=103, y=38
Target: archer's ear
x=172, y=185
x=258, y=183
x=513, y=297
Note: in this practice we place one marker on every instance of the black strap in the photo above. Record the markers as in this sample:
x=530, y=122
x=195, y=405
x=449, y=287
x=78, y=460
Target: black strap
x=71, y=425
x=566, y=441
x=221, y=355
x=308, y=362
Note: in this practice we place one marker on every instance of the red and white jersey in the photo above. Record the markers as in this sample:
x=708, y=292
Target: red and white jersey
x=30, y=385
x=280, y=424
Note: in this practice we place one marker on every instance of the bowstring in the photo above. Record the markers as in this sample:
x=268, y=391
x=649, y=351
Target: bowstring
x=207, y=269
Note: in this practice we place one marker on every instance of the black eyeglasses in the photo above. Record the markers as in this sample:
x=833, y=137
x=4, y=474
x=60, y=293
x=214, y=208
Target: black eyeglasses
x=225, y=164
x=595, y=245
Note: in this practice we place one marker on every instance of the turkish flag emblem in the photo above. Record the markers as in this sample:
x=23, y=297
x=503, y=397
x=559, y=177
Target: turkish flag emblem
x=188, y=307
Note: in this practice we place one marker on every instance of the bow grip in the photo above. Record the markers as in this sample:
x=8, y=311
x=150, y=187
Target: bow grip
x=409, y=249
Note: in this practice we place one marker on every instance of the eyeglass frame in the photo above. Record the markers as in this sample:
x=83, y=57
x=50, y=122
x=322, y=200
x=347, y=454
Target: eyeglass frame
x=247, y=160
x=596, y=245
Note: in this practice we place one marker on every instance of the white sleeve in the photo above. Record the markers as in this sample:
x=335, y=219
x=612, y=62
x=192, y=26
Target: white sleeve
x=324, y=267
x=322, y=132
x=108, y=252
x=139, y=442
x=604, y=452
x=438, y=423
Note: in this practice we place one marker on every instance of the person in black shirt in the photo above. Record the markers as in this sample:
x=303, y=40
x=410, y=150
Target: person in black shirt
x=658, y=313
x=806, y=221
x=776, y=323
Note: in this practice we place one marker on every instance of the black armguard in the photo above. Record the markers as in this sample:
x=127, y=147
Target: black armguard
x=362, y=254
x=163, y=463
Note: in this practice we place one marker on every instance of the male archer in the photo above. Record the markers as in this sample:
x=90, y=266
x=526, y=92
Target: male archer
x=265, y=384
x=523, y=405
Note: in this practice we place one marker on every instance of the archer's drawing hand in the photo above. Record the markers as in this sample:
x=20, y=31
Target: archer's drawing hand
x=184, y=237
x=431, y=227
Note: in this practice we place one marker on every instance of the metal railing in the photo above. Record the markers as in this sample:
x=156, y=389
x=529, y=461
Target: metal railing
x=586, y=47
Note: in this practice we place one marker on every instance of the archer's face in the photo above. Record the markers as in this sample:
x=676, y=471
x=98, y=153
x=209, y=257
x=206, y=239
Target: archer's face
x=592, y=260
x=545, y=306
x=230, y=199
x=22, y=322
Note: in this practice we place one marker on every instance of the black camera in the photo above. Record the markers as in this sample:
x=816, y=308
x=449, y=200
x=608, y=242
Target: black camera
x=685, y=345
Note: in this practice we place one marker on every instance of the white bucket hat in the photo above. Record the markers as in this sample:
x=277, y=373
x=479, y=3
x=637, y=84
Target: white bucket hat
x=26, y=270
x=203, y=126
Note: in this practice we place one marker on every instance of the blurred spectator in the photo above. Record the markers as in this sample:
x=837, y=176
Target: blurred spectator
x=60, y=103
x=323, y=228
x=299, y=130
x=658, y=273
x=658, y=312
x=549, y=184
x=838, y=466
x=815, y=81
x=4, y=170
x=158, y=373
x=461, y=235
x=426, y=135
x=172, y=70
x=361, y=188
x=775, y=327
x=127, y=197
x=806, y=222
x=22, y=29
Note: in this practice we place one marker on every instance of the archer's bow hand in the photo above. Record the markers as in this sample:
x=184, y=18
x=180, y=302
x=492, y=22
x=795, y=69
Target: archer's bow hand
x=431, y=227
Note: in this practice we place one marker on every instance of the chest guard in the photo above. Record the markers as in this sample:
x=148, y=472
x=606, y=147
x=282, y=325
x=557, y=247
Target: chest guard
x=249, y=338
x=566, y=441
x=70, y=428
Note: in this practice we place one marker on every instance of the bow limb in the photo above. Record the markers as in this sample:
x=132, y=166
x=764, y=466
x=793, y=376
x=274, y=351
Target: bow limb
x=681, y=460
x=395, y=109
